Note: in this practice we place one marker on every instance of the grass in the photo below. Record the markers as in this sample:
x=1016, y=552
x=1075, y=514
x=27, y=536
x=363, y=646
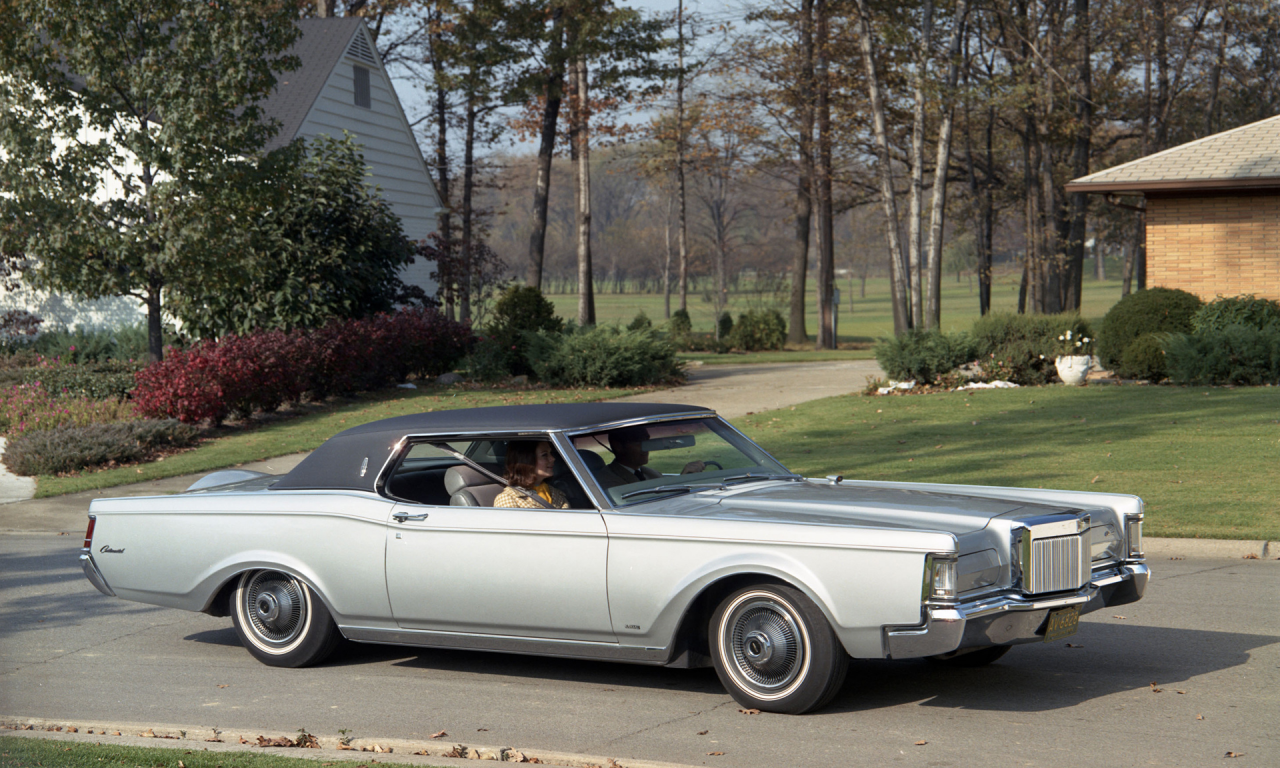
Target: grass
x=16, y=752
x=862, y=321
x=1203, y=459
x=305, y=433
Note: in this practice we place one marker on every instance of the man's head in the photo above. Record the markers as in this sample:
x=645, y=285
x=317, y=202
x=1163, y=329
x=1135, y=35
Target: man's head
x=626, y=446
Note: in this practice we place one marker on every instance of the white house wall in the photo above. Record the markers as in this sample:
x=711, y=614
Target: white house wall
x=389, y=149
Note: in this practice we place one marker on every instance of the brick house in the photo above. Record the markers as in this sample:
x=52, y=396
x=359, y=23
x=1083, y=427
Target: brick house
x=1212, y=211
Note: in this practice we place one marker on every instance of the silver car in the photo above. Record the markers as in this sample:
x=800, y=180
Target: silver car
x=672, y=540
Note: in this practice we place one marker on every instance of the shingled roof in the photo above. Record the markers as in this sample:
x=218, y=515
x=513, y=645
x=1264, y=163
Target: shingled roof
x=1247, y=157
x=320, y=44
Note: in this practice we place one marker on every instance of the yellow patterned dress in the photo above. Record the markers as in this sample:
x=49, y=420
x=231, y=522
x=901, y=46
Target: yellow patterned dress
x=513, y=498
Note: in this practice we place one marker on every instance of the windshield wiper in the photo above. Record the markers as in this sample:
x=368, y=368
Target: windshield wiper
x=748, y=477
x=665, y=488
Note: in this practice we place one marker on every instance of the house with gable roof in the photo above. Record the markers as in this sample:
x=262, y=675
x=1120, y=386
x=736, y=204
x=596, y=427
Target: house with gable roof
x=1212, y=211
x=339, y=86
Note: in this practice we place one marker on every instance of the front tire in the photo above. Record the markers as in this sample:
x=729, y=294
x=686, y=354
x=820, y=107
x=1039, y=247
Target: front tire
x=281, y=621
x=774, y=650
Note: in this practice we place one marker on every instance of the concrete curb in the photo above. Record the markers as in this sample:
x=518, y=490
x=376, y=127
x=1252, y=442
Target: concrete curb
x=13, y=487
x=402, y=751
x=1178, y=549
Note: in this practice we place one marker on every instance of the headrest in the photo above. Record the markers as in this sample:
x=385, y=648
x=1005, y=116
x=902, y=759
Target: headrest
x=594, y=461
x=461, y=477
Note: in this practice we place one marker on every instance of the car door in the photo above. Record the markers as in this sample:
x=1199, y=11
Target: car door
x=516, y=572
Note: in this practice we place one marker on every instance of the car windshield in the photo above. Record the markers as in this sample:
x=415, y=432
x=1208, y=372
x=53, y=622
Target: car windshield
x=641, y=463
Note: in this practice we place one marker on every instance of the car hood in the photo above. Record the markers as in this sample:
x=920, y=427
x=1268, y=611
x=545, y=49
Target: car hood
x=824, y=504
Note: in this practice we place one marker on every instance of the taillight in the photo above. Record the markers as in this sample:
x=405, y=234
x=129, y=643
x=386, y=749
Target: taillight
x=88, y=534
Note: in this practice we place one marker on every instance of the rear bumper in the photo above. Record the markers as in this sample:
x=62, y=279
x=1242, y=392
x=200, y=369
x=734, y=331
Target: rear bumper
x=1009, y=619
x=94, y=575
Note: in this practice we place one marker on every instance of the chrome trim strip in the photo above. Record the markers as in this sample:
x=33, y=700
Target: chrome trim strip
x=567, y=649
x=94, y=575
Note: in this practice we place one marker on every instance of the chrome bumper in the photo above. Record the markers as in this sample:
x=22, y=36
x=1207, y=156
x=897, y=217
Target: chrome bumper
x=94, y=575
x=1009, y=619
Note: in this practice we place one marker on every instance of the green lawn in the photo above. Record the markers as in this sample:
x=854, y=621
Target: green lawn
x=870, y=318
x=1204, y=460
x=16, y=752
x=305, y=433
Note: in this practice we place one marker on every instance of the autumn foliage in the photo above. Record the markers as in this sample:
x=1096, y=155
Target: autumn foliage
x=239, y=375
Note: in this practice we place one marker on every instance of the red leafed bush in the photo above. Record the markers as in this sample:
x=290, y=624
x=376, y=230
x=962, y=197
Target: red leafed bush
x=238, y=375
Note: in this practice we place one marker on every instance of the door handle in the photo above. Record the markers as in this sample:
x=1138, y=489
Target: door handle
x=401, y=517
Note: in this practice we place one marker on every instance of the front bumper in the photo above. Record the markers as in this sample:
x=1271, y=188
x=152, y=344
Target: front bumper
x=94, y=575
x=1008, y=619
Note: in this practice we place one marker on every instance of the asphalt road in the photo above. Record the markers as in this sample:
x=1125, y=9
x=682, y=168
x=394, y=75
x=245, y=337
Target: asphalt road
x=1207, y=635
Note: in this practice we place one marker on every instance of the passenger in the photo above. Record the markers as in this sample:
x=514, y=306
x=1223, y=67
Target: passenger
x=529, y=464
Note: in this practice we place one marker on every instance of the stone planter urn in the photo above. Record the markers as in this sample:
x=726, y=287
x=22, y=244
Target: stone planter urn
x=1073, y=368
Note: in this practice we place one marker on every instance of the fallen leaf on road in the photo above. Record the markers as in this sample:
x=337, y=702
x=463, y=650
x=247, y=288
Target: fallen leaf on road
x=439, y=735
x=1234, y=754
x=703, y=733
x=715, y=753
x=921, y=743
x=224, y=685
x=1199, y=717
x=113, y=733
x=243, y=740
x=1177, y=691
x=1251, y=556
x=71, y=729
x=1154, y=689
x=1118, y=616
x=1073, y=645
x=749, y=711
x=478, y=730
x=345, y=746
x=214, y=740
x=148, y=734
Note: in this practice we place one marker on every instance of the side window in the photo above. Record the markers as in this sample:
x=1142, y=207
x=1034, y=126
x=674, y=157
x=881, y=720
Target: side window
x=429, y=475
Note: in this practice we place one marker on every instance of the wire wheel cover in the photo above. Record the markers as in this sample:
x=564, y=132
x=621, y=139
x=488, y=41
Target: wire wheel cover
x=275, y=607
x=767, y=646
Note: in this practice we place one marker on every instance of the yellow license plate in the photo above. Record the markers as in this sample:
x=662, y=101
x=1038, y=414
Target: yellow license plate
x=1062, y=623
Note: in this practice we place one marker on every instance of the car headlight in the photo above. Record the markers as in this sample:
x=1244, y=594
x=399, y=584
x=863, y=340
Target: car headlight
x=939, y=578
x=1133, y=533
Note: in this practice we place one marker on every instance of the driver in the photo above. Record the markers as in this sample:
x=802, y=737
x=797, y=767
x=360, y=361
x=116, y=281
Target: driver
x=630, y=459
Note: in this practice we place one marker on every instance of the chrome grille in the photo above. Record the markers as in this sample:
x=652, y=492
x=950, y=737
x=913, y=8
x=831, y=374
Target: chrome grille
x=1058, y=563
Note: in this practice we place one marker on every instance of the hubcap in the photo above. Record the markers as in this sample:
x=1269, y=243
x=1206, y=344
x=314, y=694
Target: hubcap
x=766, y=648
x=275, y=607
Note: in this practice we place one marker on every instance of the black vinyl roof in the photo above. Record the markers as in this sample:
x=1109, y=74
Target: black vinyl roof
x=351, y=460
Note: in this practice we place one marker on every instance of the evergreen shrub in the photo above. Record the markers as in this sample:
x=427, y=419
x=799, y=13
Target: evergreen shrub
x=72, y=448
x=1237, y=354
x=1144, y=358
x=1224, y=312
x=1155, y=310
x=603, y=356
x=1022, y=348
x=757, y=330
x=922, y=356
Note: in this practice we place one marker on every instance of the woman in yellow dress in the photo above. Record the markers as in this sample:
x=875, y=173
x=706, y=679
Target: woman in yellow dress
x=529, y=464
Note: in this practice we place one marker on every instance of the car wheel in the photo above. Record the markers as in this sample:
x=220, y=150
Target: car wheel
x=774, y=650
x=977, y=657
x=281, y=621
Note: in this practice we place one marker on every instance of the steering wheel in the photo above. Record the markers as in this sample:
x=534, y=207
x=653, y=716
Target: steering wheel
x=715, y=464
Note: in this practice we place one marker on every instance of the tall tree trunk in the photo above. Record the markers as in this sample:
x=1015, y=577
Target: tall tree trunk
x=1074, y=277
x=468, y=189
x=155, y=322
x=797, y=333
x=666, y=268
x=898, y=269
x=681, y=198
x=542, y=186
x=915, y=214
x=1163, y=95
x=1215, y=73
x=435, y=40
x=826, y=229
x=582, y=196
x=938, y=206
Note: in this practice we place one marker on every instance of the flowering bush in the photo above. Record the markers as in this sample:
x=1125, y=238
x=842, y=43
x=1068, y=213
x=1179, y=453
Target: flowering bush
x=29, y=408
x=71, y=448
x=238, y=375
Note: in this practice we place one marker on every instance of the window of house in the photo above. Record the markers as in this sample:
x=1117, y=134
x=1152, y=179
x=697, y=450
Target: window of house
x=361, y=76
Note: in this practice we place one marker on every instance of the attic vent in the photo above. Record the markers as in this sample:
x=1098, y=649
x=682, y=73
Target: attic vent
x=360, y=49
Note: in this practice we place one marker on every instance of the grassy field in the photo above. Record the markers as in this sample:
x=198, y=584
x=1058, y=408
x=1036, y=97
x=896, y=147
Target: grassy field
x=870, y=318
x=1204, y=460
x=305, y=433
x=18, y=752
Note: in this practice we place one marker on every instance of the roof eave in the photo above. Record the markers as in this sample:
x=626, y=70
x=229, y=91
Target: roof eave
x=1178, y=185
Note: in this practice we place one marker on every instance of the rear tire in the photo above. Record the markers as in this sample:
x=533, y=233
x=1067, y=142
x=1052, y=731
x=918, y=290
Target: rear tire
x=774, y=650
x=281, y=621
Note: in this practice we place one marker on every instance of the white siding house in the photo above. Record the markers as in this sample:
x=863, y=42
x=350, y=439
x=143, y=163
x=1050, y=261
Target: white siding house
x=340, y=86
